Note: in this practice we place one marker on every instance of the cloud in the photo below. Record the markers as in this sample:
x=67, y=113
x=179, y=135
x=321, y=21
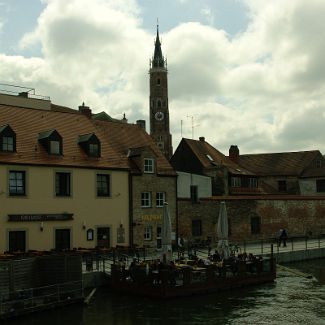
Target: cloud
x=262, y=89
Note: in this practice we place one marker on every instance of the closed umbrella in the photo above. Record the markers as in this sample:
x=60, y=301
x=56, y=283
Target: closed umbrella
x=166, y=235
x=222, y=231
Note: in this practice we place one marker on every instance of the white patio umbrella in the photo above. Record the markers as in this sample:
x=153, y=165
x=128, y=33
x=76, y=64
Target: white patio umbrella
x=222, y=231
x=166, y=234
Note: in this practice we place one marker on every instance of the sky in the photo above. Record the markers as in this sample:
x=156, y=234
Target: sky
x=240, y=72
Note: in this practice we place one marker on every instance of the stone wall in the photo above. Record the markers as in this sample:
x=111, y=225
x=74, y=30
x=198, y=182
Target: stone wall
x=151, y=216
x=299, y=215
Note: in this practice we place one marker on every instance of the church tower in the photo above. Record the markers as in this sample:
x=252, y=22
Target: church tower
x=159, y=113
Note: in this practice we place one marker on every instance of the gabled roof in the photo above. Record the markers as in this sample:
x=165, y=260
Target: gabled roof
x=279, y=164
x=131, y=138
x=28, y=123
x=210, y=157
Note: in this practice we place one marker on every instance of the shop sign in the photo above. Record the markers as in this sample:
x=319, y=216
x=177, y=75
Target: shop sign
x=40, y=217
x=150, y=217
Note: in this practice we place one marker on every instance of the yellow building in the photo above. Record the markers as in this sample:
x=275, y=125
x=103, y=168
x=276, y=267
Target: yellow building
x=62, y=184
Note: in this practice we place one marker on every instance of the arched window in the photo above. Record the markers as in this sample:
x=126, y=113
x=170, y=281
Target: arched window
x=159, y=103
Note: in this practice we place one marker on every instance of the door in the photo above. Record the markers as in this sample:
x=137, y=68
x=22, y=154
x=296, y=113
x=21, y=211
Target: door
x=62, y=239
x=103, y=237
x=17, y=241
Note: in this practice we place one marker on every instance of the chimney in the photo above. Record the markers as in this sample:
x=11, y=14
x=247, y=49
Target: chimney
x=85, y=110
x=234, y=153
x=142, y=124
x=202, y=139
x=23, y=94
x=124, y=119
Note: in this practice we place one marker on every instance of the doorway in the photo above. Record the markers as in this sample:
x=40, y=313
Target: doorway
x=103, y=237
x=17, y=241
x=62, y=239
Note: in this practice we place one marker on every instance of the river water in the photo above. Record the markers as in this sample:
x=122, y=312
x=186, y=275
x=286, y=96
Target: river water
x=290, y=300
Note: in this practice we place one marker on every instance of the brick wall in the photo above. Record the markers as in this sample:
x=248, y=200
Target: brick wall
x=299, y=215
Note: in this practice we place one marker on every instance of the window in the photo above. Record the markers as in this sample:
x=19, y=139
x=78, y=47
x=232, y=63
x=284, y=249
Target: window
x=146, y=199
x=318, y=163
x=320, y=185
x=235, y=182
x=159, y=103
x=194, y=193
x=158, y=81
x=51, y=141
x=103, y=185
x=252, y=182
x=160, y=199
x=7, y=139
x=55, y=147
x=255, y=225
x=196, y=227
x=17, y=183
x=17, y=241
x=90, y=144
x=148, y=165
x=147, y=233
x=62, y=184
x=282, y=186
x=8, y=144
x=93, y=150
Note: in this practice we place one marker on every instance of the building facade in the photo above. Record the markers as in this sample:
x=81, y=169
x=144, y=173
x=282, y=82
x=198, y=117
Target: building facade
x=263, y=192
x=152, y=181
x=62, y=185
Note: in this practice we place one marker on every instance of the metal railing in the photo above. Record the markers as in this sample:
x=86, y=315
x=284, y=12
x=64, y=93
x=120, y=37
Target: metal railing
x=24, y=301
x=263, y=246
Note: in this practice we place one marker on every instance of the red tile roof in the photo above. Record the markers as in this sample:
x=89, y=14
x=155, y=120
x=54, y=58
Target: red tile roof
x=202, y=149
x=123, y=137
x=279, y=164
x=28, y=123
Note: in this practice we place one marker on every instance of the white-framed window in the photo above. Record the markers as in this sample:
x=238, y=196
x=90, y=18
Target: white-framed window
x=148, y=165
x=235, y=182
x=146, y=199
x=160, y=199
x=147, y=232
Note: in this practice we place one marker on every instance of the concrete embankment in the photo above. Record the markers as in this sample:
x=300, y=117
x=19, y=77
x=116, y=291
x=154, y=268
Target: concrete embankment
x=299, y=255
x=95, y=279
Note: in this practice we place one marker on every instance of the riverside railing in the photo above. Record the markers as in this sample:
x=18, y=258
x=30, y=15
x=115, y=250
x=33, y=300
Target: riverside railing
x=263, y=246
x=25, y=301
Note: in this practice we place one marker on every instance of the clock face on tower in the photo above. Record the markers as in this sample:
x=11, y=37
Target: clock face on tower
x=159, y=116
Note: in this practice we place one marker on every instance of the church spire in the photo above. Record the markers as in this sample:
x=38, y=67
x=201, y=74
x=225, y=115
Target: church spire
x=158, y=59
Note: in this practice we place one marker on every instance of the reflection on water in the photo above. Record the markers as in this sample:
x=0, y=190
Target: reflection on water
x=291, y=300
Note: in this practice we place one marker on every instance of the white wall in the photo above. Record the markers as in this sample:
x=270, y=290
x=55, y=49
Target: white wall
x=185, y=180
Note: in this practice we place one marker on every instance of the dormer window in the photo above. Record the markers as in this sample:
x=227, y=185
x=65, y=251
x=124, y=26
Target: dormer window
x=318, y=163
x=7, y=139
x=90, y=144
x=148, y=165
x=51, y=141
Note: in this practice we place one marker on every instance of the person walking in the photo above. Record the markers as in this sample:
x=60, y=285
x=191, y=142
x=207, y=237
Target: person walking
x=283, y=236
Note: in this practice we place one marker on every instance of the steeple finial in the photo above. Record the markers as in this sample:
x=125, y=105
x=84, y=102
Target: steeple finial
x=158, y=59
